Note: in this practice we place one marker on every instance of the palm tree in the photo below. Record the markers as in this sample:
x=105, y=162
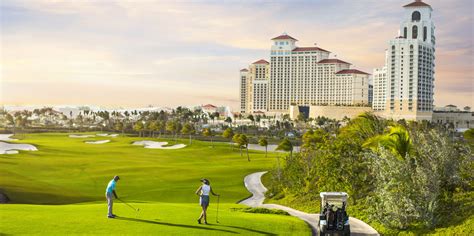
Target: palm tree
x=207, y=132
x=264, y=143
x=235, y=139
x=138, y=127
x=244, y=142
x=286, y=146
x=397, y=140
x=188, y=129
x=228, y=133
x=11, y=121
x=228, y=120
x=178, y=127
x=161, y=125
x=171, y=127
x=147, y=127
x=251, y=118
x=216, y=115
x=119, y=126
x=153, y=126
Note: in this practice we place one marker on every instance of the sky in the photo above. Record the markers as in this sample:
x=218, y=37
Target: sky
x=170, y=53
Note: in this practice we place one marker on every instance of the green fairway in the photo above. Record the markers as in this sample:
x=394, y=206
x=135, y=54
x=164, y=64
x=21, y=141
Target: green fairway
x=61, y=188
x=154, y=218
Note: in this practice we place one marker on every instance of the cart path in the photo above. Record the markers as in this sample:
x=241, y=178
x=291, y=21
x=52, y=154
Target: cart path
x=254, y=185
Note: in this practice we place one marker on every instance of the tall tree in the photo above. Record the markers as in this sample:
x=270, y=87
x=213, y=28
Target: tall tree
x=138, y=127
x=153, y=127
x=228, y=120
x=171, y=127
x=119, y=126
x=251, y=118
x=228, y=133
x=244, y=142
x=11, y=121
x=188, y=129
x=207, y=132
x=286, y=146
x=236, y=139
x=264, y=143
x=397, y=140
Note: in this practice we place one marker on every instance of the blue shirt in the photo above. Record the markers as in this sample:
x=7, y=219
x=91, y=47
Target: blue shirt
x=111, y=186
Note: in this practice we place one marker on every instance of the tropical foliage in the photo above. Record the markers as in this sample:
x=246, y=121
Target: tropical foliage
x=398, y=175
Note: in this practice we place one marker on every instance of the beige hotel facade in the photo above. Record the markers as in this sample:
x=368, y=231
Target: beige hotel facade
x=303, y=76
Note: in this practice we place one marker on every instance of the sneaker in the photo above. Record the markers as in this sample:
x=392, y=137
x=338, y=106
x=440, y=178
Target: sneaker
x=199, y=221
x=205, y=222
x=112, y=216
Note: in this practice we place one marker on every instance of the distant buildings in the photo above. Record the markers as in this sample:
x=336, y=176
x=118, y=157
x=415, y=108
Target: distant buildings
x=403, y=88
x=306, y=80
x=254, y=89
x=450, y=115
x=301, y=76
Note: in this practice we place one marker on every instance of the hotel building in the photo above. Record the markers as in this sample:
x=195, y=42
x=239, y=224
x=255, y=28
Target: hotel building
x=403, y=88
x=303, y=76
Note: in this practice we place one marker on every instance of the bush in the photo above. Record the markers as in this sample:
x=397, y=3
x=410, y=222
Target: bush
x=260, y=210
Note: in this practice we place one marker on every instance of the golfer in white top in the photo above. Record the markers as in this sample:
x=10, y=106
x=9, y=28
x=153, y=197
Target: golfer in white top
x=203, y=193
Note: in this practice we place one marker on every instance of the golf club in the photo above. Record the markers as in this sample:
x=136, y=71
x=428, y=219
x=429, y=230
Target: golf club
x=135, y=209
x=217, y=213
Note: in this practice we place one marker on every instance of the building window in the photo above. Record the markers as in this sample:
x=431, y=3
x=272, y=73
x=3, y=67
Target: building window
x=414, y=32
x=405, y=32
x=416, y=16
x=425, y=30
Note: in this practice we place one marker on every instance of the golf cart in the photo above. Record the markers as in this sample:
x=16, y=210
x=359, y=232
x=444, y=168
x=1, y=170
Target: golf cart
x=333, y=219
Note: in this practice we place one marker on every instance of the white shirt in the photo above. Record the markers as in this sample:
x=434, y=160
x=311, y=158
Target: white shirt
x=205, y=189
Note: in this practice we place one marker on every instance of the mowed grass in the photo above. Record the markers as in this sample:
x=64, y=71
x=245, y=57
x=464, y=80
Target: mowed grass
x=153, y=219
x=60, y=188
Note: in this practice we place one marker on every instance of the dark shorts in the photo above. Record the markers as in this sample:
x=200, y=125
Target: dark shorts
x=204, y=200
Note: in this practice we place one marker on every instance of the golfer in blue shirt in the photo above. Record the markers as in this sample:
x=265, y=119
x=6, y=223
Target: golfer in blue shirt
x=108, y=194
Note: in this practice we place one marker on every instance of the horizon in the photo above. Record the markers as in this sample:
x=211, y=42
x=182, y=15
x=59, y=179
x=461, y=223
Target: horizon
x=119, y=54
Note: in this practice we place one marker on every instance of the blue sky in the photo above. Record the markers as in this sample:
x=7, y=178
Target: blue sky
x=136, y=53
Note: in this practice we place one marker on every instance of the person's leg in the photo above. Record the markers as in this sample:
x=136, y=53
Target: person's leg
x=109, y=204
x=202, y=215
x=204, y=211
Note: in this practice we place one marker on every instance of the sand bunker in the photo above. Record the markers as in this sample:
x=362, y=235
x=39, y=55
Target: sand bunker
x=12, y=148
x=97, y=142
x=158, y=145
x=107, y=135
x=81, y=135
x=270, y=148
x=6, y=137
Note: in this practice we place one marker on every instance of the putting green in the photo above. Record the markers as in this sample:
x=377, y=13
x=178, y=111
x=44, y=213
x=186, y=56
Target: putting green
x=61, y=188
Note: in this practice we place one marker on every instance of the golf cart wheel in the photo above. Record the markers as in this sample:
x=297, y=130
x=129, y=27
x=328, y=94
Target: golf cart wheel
x=347, y=232
x=322, y=230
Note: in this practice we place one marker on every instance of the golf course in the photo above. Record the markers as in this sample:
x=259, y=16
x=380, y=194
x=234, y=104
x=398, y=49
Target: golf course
x=59, y=189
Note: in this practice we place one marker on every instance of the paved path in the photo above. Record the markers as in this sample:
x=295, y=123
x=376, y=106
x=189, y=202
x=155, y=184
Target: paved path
x=254, y=185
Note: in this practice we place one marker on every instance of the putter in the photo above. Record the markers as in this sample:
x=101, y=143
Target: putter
x=217, y=213
x=135, y=209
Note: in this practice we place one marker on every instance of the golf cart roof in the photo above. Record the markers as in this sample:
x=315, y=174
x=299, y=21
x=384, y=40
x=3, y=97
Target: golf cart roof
x=334, y=195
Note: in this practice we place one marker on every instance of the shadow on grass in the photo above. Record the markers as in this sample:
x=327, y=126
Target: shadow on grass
x=174, y=225
x=247, y=229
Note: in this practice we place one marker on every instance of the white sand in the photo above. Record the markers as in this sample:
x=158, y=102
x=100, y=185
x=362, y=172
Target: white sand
x=11, y=148
x=270, y=148
x=6, y=137
x=108, y=135
x=158, y=145
x=11, y=152
x=98, y=142
x=81, y=135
